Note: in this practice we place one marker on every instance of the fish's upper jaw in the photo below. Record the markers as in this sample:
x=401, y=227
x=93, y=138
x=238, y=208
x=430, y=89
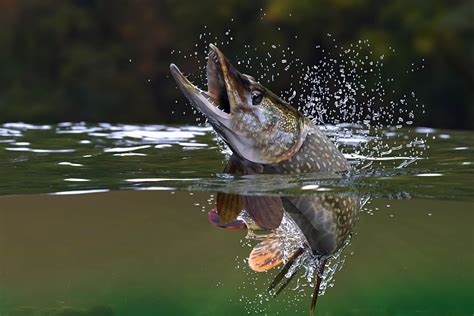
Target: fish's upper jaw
x=199, y=98
x=216, y=100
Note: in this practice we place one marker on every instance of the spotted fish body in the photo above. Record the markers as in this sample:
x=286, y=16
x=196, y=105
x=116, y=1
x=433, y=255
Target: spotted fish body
x=268, y=136
x=325, y=220
x=316, y=154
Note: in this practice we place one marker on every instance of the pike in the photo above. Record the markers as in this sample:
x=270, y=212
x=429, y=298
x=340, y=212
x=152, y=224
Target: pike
x=266, y=136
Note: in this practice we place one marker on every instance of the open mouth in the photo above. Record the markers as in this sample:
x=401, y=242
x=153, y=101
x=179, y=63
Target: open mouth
x=216, y=86
x=213, y=103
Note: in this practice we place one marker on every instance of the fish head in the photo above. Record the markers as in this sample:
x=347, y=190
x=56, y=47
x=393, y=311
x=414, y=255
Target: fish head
x=254, y=122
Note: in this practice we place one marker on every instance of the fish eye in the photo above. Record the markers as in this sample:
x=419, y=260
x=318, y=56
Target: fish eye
x=257, y=97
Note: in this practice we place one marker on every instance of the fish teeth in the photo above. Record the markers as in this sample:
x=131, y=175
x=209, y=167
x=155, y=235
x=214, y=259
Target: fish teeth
x=214, y=57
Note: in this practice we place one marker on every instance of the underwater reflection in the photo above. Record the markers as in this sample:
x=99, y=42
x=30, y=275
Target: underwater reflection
x=303, y=233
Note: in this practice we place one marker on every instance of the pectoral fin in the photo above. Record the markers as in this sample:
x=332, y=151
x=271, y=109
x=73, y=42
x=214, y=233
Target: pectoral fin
x=229, y=206
x=265, y=255
x=216, y=221
x=266, y=211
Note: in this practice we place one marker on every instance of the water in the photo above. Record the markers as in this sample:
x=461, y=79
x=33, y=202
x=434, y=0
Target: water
x=112, y=220
x=80, y=157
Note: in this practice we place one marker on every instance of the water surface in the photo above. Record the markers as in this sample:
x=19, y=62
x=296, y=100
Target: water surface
x=418, y=162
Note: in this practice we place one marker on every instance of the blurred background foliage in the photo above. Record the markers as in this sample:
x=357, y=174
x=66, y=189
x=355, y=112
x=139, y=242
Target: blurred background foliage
x=70, y=60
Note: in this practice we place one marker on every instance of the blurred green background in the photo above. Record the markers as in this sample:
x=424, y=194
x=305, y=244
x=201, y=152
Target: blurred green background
x=69, y=60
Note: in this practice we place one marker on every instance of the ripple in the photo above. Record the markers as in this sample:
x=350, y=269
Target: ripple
x=192, y=145
x=155, y=188
x=429, y=175
x=362, y=157
x=66, y=163
x=21, y=144
x=41, y=151
x=130, y=154
x=24, y=126
x=174, y=136
x=355, y=140
x=17, y=149
x=9, y=132
x=78, y=129
x=425, y=130
x=161, y=179
x=162, y=146
x=77, y=192
x=310, y=187
x=125, y=149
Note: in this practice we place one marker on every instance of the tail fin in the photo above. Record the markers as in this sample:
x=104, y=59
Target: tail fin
x=314, y=299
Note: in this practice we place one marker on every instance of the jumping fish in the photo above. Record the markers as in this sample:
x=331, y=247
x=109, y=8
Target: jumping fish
x=268, y=136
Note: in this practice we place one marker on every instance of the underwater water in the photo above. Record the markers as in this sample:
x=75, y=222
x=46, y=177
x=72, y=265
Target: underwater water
x=112, y=220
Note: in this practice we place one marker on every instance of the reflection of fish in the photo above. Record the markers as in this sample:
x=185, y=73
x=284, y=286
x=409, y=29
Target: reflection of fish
x=266, y=135
x=325, y=222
